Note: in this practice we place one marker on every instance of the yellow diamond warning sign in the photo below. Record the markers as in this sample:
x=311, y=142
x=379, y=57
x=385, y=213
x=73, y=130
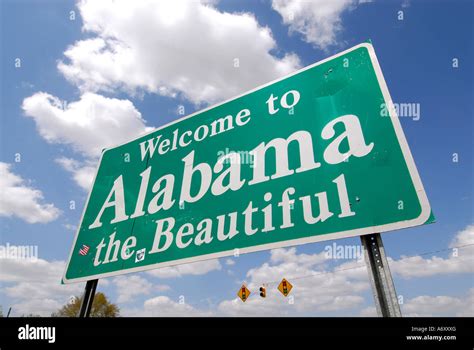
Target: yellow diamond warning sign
x=243, y=293
x=285, y=287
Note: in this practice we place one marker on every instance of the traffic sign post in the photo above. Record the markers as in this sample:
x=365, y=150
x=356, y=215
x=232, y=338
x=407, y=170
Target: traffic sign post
x=385, y=296
x=88, y=298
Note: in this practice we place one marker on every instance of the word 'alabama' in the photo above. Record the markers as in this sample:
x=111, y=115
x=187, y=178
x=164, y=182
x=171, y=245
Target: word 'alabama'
x=221, y=177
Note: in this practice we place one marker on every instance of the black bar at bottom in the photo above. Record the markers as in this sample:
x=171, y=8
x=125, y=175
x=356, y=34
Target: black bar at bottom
x=339, y=332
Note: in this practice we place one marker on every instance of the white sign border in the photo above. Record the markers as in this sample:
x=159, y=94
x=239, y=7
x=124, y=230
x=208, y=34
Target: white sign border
x=423, y=199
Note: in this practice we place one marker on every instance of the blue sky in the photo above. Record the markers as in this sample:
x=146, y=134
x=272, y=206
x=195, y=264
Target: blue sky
x=416, y=55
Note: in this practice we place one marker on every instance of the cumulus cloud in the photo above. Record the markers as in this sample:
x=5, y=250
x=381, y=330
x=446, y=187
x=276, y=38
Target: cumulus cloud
x=319, y=21
x=82, y=172
x=197, y=268
x=290, y=256
x=163, y=306
x=417, y=266
x=463, y=238
x=428, y=306
x=128, y=287
x=88, y=125
x=369, y=311
x=460, y=260
x=18, y=198
x=229, y=262
x=169, y=48
x=35, y=286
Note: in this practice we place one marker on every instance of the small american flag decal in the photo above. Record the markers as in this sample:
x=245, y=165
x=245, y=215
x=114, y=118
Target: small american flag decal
x=84, y=250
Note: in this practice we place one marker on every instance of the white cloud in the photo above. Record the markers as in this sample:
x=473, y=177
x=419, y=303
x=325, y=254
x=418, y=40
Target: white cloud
x=417, y=266
x=82, y=172
x=88, y=125
x=186, y=47
x=229, y=262
x=38, y=306
x=70, y=227
x=19, y=199
x=464, y=237
x=197, y=268
x=290, y=256
x=20, y=270
x=286, y=262
x=459, y=260
x=35, y=285
x=128, y=287
x=161, y=287
x=163, y=306
x=319, y=21
x=428, y=306
x=369, y=311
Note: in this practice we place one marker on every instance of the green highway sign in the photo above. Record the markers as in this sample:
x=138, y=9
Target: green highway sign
x=310, y=157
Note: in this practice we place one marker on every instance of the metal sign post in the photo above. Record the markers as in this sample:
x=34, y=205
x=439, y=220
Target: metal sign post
x=386, y=301
x=88, y=298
